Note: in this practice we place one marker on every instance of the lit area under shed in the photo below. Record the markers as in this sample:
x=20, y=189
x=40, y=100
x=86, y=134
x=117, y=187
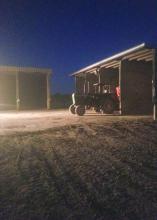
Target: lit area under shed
x=134, y=71
x=24, y=88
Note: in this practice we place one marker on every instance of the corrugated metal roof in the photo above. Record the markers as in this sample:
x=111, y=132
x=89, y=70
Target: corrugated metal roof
x=139, y=52
x=15, y=69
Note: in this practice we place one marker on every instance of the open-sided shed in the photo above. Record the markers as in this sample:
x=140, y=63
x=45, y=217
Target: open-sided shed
x=24, y=88
x=133, y=70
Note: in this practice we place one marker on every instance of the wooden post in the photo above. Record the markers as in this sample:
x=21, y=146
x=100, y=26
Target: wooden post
x=17, y=92
x=75, y=84
x=85, y=81
x=88, y=87
x=99, y=79
x=154, y=112
x=48, y=92
x=120, y=86
x=154, y=84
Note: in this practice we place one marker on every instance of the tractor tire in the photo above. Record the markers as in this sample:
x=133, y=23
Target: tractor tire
x=80, y=110
x=108, y=106
x=72, y=109
x=97, y=109
x=88, y=107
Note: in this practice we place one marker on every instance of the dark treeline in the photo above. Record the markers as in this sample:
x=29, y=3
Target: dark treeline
x=61, y=100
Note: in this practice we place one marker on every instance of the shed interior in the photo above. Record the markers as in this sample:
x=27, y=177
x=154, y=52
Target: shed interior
x=7, y=91
x=32, y=90
x=24, y=88
x=131, y=70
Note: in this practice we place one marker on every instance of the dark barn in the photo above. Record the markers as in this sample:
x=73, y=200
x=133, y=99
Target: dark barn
x=24, y=88
x=133, y=71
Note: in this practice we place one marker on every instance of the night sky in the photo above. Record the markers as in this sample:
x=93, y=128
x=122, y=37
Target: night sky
x=66, y=35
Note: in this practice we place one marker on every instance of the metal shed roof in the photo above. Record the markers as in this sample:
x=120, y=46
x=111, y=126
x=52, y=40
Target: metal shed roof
x=139, y=52
x=14, y=69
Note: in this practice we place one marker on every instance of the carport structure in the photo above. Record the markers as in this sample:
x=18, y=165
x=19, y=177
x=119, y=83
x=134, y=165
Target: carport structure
x=133, y=70
x=24, y=88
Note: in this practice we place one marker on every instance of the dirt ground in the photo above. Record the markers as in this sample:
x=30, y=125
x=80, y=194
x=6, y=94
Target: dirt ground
x=12, y=122
x=92, y=167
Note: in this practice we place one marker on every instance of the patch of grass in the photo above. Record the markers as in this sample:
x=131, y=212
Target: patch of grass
x=90, y=171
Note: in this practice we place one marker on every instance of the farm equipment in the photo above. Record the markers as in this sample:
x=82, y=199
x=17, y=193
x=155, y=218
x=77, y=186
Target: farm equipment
x=106, y=101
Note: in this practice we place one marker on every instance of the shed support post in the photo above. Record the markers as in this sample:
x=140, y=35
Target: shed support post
x=99, y=79
x=85, y=81
x=120, y=86
x=17, y=92
x=154, y=84
x=154, y=112
x=75, y=83
x=48, y=92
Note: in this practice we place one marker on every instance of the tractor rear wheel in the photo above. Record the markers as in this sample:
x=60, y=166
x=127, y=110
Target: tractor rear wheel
x=108, y=106
x=80, y=110
x=72, y=109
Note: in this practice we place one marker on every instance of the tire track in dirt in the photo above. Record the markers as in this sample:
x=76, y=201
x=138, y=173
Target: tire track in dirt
x=125, y=128
x=52, y=177
x=141, y=171
x=127, y=141
x=67, y=182
x=79, y=187
x=31, y=178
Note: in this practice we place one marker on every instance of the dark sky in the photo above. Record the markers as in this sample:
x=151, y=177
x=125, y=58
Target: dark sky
x=66, y=35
